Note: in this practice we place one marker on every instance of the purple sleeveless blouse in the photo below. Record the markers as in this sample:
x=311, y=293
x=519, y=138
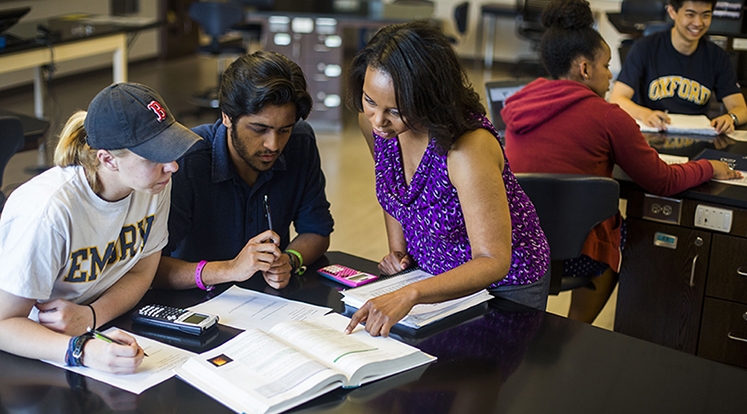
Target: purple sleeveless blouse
x=431, y=215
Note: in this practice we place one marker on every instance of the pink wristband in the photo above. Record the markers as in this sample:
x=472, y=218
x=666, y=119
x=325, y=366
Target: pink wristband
x=198, y=277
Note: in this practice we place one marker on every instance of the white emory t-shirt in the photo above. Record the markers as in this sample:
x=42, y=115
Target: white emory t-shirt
x=58, y=239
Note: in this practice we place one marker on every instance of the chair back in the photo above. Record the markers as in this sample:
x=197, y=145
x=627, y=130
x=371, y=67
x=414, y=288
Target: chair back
x=530, y=19
x=569, y=206
x=653, y=27
x=216, y=19
x=643, y=11
x=461, y=15
x=11, y=141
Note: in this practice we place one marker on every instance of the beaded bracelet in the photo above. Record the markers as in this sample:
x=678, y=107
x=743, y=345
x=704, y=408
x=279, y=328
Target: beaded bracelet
x=292, y=260
x=74, y=352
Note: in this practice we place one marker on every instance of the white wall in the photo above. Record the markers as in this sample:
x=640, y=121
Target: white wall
x=145, y=46
x=508, y=46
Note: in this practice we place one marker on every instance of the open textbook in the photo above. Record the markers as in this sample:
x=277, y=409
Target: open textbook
x=420, y=315
x=684, y=124
x=258, y=372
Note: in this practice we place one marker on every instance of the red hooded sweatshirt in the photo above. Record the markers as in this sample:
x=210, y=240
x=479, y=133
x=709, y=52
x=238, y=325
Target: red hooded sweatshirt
x=562, y=126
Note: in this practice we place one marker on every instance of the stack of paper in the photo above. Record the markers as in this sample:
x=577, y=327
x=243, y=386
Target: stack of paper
x=684, y=124
x=420, y=315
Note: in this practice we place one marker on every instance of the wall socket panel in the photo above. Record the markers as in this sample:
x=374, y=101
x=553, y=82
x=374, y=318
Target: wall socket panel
x=713, y=218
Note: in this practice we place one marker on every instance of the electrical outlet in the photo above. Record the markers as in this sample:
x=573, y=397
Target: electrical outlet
x=663, y=209
x=713, y=218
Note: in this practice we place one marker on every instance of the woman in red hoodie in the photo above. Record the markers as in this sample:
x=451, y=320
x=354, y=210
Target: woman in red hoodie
x=564, y=125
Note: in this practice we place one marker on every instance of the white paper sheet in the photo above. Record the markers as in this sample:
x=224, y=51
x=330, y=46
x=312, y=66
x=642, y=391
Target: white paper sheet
x=249, y=309
x=738, y=135
x=421, y=314
x=739, y=181
x=156, y=368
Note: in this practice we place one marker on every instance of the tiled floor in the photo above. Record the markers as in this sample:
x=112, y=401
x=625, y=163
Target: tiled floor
x=347, y=163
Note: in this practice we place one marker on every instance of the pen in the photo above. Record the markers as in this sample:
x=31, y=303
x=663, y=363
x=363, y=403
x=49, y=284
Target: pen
x=663, y=120
x=267, y=212
x=98, y=335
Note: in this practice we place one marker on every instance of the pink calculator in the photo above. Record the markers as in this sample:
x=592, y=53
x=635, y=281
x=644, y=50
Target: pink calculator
x=346, y=275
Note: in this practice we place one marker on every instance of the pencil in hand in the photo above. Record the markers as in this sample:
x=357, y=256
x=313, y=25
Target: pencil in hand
x=98, y=335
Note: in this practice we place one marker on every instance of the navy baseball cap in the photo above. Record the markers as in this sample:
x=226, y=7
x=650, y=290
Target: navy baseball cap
x=135, y=117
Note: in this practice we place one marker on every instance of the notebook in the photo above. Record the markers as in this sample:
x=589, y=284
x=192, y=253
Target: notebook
x=684, y=124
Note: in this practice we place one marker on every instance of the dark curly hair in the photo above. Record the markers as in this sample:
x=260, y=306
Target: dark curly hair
x=431, y=87
x=262, y=78
x=676, y=4
x=569, y=34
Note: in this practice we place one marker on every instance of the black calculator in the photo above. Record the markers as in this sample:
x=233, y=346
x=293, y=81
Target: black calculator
x=177, y=319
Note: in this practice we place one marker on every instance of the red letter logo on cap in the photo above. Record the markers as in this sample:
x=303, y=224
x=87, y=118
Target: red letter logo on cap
x=155, y=107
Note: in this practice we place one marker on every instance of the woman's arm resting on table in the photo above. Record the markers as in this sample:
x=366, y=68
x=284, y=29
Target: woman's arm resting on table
x=475, y=161
x=22, y=336
x=397, y=260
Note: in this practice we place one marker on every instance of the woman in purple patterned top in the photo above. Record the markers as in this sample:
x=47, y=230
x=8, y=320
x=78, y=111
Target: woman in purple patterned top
x=452, y=205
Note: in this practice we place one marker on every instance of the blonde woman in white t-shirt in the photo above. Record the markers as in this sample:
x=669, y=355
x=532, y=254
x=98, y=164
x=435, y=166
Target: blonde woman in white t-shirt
x=80, y=243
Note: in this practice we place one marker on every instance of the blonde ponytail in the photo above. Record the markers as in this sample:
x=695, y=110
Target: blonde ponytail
x=72, y=149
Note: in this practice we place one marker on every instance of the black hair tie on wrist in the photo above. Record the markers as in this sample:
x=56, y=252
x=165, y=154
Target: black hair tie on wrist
x=94, y=316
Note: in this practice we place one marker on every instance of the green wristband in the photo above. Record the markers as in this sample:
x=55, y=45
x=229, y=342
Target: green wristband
x=300, y=269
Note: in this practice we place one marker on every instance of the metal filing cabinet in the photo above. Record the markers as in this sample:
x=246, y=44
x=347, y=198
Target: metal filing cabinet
x=315, y=44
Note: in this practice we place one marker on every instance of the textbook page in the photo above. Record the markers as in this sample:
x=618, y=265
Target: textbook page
x=259, y=372
x=684, y=124
x=360, y=356
x=249, y=309
x=156, y=368
x=421, y=314
x=254, y=372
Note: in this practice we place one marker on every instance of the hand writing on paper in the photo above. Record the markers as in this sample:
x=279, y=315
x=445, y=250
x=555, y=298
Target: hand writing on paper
x=112, y=357
x=394, y=262
x=658, y=120
x=382, y=312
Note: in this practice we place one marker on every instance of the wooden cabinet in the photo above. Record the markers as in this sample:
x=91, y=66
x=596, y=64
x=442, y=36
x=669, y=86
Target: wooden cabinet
x=691, y=296
x=179, y=35
x=661, y=291
x=723, y=335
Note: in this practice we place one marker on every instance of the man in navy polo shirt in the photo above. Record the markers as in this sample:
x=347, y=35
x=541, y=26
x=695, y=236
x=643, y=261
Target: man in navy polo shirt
x=678, y=71
x=260, y=149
